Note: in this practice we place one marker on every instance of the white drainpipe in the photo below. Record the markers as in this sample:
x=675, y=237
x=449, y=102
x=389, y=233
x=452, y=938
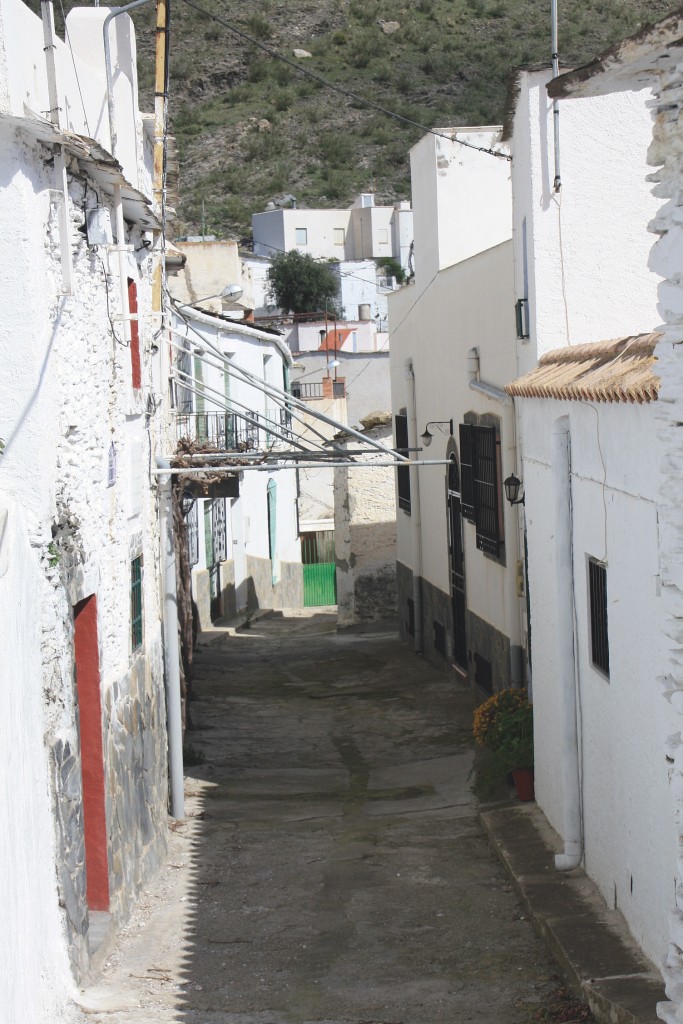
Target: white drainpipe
x=415, y=512
x=566, y=661
x=171, y=645
x=49, y=47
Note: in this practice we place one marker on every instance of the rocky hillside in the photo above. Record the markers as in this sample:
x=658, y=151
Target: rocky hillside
x=249, y=127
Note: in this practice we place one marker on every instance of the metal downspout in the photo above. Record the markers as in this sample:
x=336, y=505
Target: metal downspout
x=564, y=570
x=415, y=508
x=171, y=644
x=557, y=181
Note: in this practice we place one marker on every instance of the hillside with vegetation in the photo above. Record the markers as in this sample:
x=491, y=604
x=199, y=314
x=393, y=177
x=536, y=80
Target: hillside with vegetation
x=250, y=128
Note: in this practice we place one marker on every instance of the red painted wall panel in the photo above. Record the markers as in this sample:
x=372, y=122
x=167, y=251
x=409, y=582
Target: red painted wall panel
x=92, y=758
x=134, y=336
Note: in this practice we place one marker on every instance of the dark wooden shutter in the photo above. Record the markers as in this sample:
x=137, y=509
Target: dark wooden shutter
x=466, y=474
x=485, y=476
x=402, y=472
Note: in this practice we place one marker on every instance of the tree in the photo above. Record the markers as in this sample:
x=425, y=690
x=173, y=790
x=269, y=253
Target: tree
x=299, y=284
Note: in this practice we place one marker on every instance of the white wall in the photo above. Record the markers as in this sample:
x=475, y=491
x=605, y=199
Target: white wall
x=461, y=310
x=461, y=200
x=628, y=809
x=36, y=982
x=586, y=247
x=263, y=355
x=365, y=228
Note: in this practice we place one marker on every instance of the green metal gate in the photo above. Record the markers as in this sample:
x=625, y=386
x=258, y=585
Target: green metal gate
x=320, y=577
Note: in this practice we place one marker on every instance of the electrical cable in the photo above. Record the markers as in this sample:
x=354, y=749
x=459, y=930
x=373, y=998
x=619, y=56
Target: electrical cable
x=338, y=88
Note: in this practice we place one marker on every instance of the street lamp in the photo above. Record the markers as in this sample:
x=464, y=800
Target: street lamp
x=426, y=438
x=512, y=486
x=231, y=293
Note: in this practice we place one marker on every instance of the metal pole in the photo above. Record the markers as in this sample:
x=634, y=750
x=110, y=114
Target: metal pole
x=171, y=645
x=557, y=183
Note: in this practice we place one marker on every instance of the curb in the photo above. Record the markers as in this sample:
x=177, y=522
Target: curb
x=591, y=943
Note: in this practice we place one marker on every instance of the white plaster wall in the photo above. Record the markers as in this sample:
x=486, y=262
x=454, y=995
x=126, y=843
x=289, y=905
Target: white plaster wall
x=36, y=982
x=358, y=284
x=275, y=231
x=436, y=331
x=210, y=267
x=461, y=200
x=66, y=396
x=630, y=837
x=264, y=356
x=306, y=337
x=81, y=81
x=585, y=268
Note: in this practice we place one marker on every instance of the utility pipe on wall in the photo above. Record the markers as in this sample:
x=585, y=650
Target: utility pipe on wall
x=171, y=645
x=566, y=658
x=49, y=46
x=113, y=141
x=557, y=182
x=489, y=390
x=415, y=511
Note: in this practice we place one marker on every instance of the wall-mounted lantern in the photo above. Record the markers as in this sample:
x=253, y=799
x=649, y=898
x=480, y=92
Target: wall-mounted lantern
x=426, y=438
x=522, y=318
x=187, y=501
x=512, y=486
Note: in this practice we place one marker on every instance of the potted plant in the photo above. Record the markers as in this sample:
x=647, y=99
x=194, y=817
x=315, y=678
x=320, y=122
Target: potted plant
x=504, y=724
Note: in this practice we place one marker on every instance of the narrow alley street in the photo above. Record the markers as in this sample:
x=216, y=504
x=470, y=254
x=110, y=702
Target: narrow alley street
x=332, y=868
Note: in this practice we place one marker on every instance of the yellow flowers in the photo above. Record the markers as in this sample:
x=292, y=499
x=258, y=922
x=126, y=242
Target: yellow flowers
x=492, y=718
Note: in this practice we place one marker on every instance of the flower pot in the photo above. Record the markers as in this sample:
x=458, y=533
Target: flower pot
x=523, y=779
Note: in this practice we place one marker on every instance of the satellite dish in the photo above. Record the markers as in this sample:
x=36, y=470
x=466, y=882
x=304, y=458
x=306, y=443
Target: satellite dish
x=232, y=292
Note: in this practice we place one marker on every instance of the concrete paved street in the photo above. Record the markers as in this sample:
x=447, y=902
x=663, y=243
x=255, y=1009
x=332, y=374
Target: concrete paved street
x=332, y=868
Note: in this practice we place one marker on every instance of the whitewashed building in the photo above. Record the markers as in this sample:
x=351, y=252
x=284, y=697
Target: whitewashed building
x=83, y=776
x=243, y=543
x=587, y=437
x=452, y=352
x=651, y=60
x=361, y=232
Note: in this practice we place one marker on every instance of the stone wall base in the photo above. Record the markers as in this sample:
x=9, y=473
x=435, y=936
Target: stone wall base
x=491, y=659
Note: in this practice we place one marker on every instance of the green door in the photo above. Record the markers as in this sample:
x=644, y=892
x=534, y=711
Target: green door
x=320, y=576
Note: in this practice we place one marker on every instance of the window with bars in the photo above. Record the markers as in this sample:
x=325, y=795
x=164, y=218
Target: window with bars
x=597, y=591
x=481, y=494
x=402, y=472
x=136, y=603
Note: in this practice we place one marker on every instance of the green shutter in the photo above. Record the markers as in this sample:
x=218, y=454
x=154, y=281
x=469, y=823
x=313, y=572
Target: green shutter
x=272, y=524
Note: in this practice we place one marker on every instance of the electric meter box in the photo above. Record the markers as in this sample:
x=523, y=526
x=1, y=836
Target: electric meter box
x=98, y=226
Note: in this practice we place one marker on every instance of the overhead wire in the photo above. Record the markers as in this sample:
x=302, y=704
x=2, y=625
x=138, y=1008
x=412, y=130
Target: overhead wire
x=241, y=34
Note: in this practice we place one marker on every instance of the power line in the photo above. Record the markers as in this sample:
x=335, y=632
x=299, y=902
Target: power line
x=338, y=88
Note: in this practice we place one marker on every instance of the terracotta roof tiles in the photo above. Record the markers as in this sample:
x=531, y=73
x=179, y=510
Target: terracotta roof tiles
x=621, y=370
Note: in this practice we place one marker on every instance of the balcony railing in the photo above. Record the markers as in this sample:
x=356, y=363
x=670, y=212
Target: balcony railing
x=305, y=391
x=228, y=432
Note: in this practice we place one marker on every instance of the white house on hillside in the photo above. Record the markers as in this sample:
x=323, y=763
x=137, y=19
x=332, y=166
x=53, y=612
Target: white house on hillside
x=361, y=232
x=452, y=351
x=587, y=439
x=83, y=776
x=243, y=543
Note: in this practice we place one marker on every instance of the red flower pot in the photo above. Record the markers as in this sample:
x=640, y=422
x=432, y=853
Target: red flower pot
x=523, y=779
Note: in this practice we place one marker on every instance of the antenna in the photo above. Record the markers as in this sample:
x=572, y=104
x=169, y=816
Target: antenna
x=557, y=183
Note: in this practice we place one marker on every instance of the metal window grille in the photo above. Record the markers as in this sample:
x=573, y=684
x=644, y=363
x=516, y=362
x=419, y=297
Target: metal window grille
x=192, y=526
x=597, y=586
x=136, y=603
x=402, y=472
x=480, y=477
x=220, y=547
x=485, y=476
